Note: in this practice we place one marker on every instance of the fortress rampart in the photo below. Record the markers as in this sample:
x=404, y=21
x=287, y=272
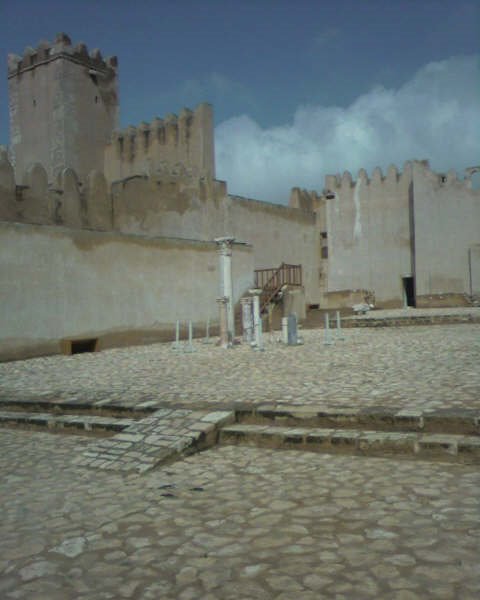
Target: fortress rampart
x=179, y=145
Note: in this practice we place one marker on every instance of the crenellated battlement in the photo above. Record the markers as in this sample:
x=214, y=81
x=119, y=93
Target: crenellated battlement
x=62, y=47
x=393, y=176
x=163, y=144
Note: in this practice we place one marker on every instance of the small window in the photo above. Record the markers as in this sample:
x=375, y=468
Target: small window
x=96, y=99
x=324, y=253
x=34, y=102
x=323, y=235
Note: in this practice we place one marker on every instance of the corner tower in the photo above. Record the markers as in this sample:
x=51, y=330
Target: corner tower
x=63, y=104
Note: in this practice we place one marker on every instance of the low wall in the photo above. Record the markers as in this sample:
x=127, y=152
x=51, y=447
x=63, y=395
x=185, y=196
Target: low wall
x=59, y=284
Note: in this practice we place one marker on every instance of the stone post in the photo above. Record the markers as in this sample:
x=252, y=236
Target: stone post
x=257, y=320
x=222, y=305
x=247, y=319
x=226, y=283
x=285, y=330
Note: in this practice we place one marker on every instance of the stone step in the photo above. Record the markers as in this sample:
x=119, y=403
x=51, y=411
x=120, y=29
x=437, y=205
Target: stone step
x=446, y=447
x=67, y=422
x=103, y=408
x=461, y=422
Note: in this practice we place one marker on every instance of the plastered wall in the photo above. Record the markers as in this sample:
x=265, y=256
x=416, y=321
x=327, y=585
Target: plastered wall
x=57, y=283
x=369, y=234
x=190, y=208
x=447, y=225
x=279, y=234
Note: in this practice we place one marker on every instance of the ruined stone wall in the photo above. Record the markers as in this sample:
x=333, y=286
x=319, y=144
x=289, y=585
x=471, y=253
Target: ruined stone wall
x=64, y=284
x=447, y=231
x=278, y=234
x=63, y=107
x=179, y=146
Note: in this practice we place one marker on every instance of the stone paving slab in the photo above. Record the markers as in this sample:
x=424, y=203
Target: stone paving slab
x=405, y=368
x=233, y=523
x=164, y=435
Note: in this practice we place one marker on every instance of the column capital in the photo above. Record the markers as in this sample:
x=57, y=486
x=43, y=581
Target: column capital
x=255, y=291
x=225, y=245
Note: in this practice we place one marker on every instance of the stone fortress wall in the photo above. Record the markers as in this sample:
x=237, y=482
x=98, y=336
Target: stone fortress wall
x=381, y=230
x=120, y=224
x=446, y=217
x=164, y=205
x=64, y=107
x=182, y=146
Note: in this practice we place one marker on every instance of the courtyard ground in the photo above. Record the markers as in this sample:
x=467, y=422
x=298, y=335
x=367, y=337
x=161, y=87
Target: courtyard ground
x=236, y=522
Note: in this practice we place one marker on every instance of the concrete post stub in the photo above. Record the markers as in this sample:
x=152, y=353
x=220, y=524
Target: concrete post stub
x=247, y=319
x=257, y=320
x=222, y=305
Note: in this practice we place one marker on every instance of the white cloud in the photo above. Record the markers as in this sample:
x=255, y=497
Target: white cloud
x=435, y=115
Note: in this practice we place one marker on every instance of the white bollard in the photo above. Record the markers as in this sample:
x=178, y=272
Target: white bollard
x=190, y=347
x=339, y=332
x=328, y=338
x=176, y=343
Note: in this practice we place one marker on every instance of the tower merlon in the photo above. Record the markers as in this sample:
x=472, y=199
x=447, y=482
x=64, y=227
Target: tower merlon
x=62, y=48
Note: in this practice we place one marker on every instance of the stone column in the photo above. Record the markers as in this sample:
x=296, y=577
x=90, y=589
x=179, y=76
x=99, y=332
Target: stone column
x=257, y=320
x=222, y=305
x=226, y=283
x=247, y=319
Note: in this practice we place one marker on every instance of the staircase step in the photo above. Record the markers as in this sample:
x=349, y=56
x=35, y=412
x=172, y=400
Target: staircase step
x=79, y=423
x=461, y=422
x=448, y=447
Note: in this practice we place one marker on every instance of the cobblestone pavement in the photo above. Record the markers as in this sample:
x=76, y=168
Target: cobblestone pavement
x=234, y=523
x=425, y=368
x=162, y=436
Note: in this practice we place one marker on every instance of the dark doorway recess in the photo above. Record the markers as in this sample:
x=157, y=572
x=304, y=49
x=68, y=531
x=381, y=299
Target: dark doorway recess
x=409, y=290
x=79, y=346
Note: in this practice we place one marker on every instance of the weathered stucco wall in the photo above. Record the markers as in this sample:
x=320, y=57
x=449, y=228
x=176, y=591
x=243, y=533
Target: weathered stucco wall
x=369, y=233
x=57, y=283
x=278, y=234
x=447, y=225
x=191, y=209
x=63, y=107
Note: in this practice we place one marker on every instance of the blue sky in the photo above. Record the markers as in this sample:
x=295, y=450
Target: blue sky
x=299, y=88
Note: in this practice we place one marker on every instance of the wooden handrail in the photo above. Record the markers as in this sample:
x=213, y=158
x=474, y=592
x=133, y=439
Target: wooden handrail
x=271, y=281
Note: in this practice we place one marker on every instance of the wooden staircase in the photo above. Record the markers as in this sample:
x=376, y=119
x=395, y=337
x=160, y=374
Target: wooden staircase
x=271, y=281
